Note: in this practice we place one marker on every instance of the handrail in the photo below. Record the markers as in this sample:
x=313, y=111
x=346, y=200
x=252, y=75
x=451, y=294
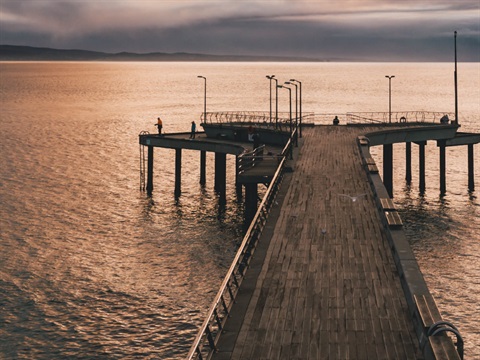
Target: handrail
x=223, y=301
x=249, y=159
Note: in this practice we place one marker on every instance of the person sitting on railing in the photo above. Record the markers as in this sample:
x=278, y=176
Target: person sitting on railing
x=444, y=119
x=336, y=121
x=256, y=140
x=251, y=131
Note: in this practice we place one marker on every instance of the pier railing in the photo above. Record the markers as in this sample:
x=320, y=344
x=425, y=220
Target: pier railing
x=260, y=118
x=208, y=335
x=263, y=118
x=397, y=117
x=249, y=159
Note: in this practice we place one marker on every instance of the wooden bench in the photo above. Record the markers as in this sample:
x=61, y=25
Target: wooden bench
x=431, y=320
x=363, y=141
x=387, y=204
x=372, y=168
x=393, y=219
x=369, y=161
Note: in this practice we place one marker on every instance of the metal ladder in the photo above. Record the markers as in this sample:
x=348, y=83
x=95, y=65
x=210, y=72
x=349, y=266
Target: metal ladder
x=143, y=160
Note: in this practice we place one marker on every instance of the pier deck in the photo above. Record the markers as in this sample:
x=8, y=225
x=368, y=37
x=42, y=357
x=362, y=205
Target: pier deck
x=328, y=286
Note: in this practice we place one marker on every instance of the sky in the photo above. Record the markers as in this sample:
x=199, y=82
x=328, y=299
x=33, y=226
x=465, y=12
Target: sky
x=382, y=30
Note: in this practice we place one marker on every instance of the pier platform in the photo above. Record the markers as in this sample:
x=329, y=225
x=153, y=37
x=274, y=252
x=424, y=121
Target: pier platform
x=326, y=286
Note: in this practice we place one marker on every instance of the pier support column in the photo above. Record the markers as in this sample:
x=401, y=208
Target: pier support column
x=221, y=174
x=388, y=168
x=251, y=199
x=150, y=171
x=421, y=165
x=203, y=167
x=178, y=172
x=408, y=162
x=471, y=172
x=443, y=184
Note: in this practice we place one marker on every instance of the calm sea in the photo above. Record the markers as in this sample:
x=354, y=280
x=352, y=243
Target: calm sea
x=90, y=267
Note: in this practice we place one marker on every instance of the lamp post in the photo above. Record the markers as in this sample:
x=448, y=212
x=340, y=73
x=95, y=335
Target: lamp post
x=296, y=102
x=455, y=78
x=300, y=104
x=290, y=96
x=204, y=98
x=272, y=77
x=390, y=97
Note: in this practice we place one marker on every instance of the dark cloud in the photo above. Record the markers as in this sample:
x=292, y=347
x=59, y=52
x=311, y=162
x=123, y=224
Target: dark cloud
x=358, y=29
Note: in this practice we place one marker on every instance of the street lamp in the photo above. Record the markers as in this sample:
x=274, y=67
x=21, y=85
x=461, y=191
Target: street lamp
x=204, y=98
x=455, y=80
x=390, y=97
x=272, y=77
x=300, y=104
x=290, y=95
x=296, y=106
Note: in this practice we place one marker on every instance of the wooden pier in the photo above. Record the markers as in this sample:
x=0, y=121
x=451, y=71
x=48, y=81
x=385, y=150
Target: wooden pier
x=328, y=287
x=333, y=276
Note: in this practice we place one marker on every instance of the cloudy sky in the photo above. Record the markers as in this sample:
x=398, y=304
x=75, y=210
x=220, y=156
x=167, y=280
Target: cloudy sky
x=392, y=30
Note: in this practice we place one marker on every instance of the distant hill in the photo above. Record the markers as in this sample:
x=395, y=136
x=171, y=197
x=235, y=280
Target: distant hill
x=28, y=53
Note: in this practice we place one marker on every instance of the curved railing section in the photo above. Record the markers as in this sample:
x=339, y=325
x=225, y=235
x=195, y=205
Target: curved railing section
x=209, y=333
x=280, y=122
x=398, y=117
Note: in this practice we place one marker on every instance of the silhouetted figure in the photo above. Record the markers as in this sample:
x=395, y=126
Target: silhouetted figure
x=336, y=121
x=444, y=119
x=159, y=125
x=193, y=129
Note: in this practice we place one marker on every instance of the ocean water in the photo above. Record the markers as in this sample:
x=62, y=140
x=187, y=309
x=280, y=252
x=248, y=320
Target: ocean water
x=90, y=267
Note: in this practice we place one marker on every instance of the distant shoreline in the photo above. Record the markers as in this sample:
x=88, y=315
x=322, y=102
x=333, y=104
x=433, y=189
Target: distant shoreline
x=30, y=53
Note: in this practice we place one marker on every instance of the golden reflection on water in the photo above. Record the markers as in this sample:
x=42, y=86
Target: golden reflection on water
x=91, y=267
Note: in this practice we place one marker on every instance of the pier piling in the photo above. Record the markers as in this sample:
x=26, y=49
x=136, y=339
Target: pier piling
x=421, y=165
x=221, y=174
x=388, y=168
x=471, y=170
x=203, y=167
x=178, y=172
x=408, y=162
x=443, y=185
x=150, y=171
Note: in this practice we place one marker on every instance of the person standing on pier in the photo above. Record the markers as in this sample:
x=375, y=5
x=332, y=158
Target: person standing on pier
x=159, y=125
x=193, y=129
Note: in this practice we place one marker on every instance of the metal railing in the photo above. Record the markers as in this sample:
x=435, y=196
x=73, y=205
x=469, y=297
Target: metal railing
x=209, y=333
x=258, y=118
x=397, y=117
x=249, y=159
